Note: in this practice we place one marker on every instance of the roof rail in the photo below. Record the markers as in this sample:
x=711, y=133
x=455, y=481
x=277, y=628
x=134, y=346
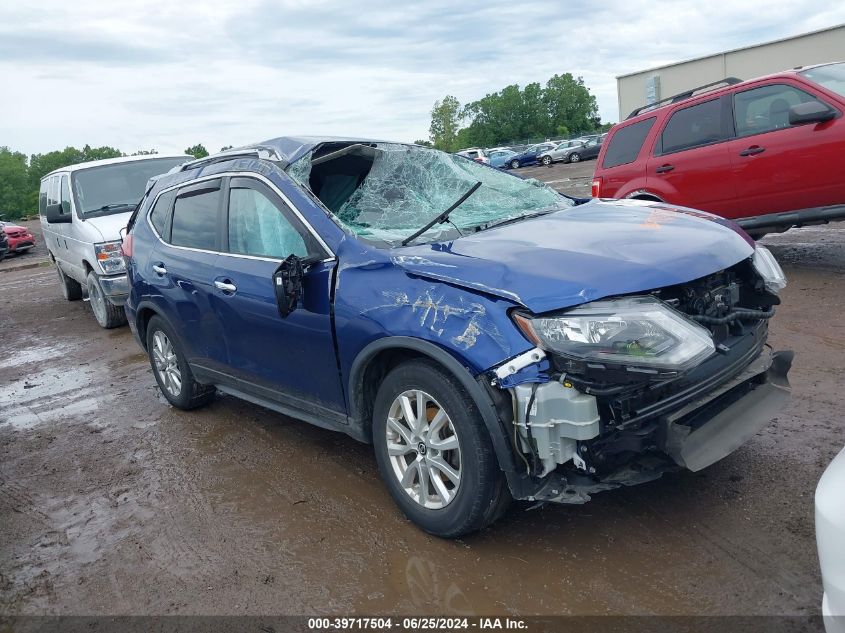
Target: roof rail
x=256, y=151
x=681, y=96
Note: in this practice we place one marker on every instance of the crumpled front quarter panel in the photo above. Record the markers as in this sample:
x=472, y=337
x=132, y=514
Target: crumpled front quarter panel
x=374, y=298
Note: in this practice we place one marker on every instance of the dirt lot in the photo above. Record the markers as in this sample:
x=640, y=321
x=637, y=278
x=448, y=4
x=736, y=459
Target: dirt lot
x=112, y=502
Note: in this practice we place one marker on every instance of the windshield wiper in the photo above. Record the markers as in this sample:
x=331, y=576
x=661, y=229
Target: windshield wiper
x=106, y=208
x=516, y=218
x=440, y=219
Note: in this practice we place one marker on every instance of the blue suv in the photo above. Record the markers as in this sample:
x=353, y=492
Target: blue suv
x=491, y=338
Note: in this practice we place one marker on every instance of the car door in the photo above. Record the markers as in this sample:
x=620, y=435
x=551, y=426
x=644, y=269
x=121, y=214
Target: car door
x=690, y=162
x=781, y=167
x=183, y=267
x=291, y=359
x=55, y=240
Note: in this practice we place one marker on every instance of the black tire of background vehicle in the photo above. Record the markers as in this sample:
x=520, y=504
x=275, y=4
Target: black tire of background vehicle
x=71, y=289
x=574, y=157
x=547, y=160
x=483, y=495
x=514, y=164
x=193, y=394
x=112, y=316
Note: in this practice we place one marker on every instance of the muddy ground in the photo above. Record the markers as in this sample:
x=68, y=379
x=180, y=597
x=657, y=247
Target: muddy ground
x=112, y=502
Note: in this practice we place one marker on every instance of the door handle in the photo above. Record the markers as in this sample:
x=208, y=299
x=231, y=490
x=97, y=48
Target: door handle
x=225, y=286
x=159, y=269
x=664, y=168
x=751, y=151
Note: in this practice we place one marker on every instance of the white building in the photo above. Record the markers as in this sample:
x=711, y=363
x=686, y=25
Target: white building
x=647, y=86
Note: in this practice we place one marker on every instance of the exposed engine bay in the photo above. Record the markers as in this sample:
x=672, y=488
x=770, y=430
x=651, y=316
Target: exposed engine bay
x=586, y=426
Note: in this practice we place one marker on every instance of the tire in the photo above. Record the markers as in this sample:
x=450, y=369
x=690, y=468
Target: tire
x=480, y=494
x=547, y=160
x=107, y=314
x=574, y=157
x=514, y=164
x=166, y=354
x=71, y=289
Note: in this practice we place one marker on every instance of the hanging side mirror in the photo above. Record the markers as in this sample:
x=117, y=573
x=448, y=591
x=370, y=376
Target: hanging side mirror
x=287, y=282
x=55, y=215
x=810, y=112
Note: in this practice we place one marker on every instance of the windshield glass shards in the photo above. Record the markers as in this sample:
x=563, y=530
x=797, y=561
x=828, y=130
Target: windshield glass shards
x=116, y=188
x=384, y=192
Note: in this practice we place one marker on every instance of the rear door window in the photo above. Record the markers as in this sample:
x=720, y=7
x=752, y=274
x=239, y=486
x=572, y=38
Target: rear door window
x=695, y=126
x=42, y=196
x=626, y=143
x=195, y=216
x=766, y=108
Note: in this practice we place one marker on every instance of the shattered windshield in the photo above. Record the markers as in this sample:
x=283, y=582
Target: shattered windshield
x=383, y=192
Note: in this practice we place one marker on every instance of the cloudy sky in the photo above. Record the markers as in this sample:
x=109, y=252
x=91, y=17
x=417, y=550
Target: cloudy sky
x=165, y=75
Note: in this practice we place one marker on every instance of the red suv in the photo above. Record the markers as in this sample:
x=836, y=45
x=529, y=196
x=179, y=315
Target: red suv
x=768, y=152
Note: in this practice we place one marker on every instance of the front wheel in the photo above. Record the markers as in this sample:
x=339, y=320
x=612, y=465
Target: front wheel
x=514, y=164
x=574, y=158
x=107, y=314
x=547, y=160
x=434, y=453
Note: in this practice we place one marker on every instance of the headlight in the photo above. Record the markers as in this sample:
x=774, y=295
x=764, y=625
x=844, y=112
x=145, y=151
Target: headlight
x=640, y=332
x=769, y=269
x=108, y=254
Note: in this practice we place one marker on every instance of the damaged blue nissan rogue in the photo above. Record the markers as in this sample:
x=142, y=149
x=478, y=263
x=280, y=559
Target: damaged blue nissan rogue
x=492, y=338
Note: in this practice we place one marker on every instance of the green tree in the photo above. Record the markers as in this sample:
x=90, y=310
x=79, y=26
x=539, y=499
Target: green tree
x=423, y=142
x=42, y=164
x=445, y=122
x=226, y=147
x=197, y=151
x=569, y=103
x=14, y=184
x=145, y=152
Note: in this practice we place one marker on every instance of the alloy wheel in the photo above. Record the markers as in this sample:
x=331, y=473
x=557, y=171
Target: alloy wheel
x=574, y=158
x=423, y=449
x=166, y=363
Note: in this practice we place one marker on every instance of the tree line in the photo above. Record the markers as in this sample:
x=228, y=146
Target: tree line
x=20, y=176
x=563, y=107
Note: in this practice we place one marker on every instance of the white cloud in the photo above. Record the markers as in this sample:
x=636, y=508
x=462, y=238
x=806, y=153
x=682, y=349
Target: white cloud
x=167, y=75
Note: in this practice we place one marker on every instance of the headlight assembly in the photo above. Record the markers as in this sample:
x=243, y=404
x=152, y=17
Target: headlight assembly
x=638, y=332
x=768, y=268
x=109, y=257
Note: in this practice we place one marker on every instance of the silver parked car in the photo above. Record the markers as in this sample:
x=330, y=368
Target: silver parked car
x=560, y=152
x=83, y=209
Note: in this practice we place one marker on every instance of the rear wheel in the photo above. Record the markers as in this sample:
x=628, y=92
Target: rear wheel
x=547, y=160
x=107, y=314
x=434, y=452
x=514, y=164
x=574, y=157
x=71, y=289
x=171, y=369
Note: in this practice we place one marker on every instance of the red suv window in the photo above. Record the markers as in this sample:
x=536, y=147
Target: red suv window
x=626, y=143
x=694, y=126
x=766, y=108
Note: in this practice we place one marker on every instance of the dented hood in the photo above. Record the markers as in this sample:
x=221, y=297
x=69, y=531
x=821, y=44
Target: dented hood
x=595, y=250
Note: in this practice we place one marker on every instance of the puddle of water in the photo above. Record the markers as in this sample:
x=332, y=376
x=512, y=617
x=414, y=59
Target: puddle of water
x=52, y=395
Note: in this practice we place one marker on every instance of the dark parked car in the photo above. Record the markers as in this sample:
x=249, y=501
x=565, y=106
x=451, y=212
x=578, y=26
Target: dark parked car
x=768, y=153
x=530, y=156
x=590, y=149
x=490, y=337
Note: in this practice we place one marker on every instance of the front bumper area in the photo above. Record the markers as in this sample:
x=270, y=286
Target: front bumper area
x=115, y=288
x=692, y=435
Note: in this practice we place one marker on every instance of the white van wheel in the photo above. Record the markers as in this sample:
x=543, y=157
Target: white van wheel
x=107, y=314
x=71, y=289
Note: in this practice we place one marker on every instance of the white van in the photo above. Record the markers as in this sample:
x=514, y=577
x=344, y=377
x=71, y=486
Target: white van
x=83, y=209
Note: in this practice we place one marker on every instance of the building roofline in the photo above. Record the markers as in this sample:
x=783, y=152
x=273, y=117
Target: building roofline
x=733, y=50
